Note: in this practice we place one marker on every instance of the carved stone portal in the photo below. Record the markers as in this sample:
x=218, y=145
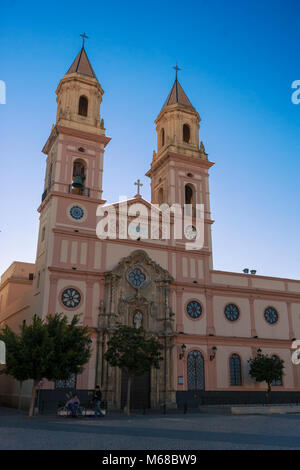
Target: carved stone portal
x=137, y=294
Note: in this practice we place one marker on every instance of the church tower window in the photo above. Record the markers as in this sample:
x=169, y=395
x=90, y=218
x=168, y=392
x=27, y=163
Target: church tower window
x=189, y=199
x=78, y=176
x=83, y=106
x=79, y=169
x=189, y=194
x=186, y=133
x=162, y=137
x=43, y=234
x=160, y=196
x=50, y=175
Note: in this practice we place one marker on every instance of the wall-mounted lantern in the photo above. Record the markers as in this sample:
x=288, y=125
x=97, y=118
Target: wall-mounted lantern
x=182, y=353
x=213, y=353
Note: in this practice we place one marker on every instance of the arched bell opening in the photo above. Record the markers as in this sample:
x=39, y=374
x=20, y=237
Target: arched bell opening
x=190, y=199
x=83, y=106
x=78, y=177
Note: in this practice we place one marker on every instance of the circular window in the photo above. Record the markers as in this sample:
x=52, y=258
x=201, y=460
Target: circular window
x=71, y=298
x=194, y=309
x=231, y=312
x=136, y=278
x=271, y=315
x=76, y=212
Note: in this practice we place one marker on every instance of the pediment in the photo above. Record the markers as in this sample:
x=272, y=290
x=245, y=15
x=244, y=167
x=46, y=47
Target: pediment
x=140, y=257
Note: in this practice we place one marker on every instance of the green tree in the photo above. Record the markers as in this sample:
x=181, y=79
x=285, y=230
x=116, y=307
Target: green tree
x=14, y=360
x=131, y=349
x=266, y=369
x=52, y=349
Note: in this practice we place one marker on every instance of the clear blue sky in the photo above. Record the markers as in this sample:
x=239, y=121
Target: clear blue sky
x=238, y=61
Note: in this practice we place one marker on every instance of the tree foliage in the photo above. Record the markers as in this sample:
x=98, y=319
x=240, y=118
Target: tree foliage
x=264, y=368
x=52, y=349
x=131, y=349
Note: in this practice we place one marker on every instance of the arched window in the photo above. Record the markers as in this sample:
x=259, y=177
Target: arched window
x=189, y=194
x=83, y=106
x=160, y=196
x=235, y=370
x=43, y=234
x=79, y=169
x=186, y=133
x=162, y=137
x=189, y=199
x=50, y=175
x=78, y=176
x=195, y=371
x=276, y=383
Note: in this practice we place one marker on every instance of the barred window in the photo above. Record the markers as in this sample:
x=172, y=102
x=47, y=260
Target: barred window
x=195, y=371
x=70, y=383
x=235, y=370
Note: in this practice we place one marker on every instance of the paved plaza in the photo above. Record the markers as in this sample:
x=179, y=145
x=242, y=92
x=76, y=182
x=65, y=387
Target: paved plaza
x=150, y=432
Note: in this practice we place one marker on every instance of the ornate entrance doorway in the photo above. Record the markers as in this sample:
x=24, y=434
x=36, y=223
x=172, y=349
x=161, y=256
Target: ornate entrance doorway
x=140, y=391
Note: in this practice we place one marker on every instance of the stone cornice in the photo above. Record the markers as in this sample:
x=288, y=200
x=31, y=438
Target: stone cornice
x=73, y=132
x=230, y=290
x=15, y=280
x=178, y=157
x=76, y=197
x=236, y=340
x=138, y=245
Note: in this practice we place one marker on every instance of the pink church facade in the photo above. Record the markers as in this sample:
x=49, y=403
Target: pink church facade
x=209, y=322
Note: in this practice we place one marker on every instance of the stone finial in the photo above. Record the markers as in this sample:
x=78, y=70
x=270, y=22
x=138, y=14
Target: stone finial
x=202, y=148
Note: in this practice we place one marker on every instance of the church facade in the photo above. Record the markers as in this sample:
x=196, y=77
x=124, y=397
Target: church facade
x=209, y=322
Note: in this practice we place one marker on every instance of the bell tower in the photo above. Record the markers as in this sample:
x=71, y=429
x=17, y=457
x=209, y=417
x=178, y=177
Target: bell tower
x=179, y=169
x=67, y=270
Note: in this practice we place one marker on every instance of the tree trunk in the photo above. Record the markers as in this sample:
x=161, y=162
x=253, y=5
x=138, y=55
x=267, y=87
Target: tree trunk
x=20, y=396
x=127, y=408
x=34, y=387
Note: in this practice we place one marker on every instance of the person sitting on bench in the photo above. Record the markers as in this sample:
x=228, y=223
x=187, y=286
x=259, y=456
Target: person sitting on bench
x=73, y=405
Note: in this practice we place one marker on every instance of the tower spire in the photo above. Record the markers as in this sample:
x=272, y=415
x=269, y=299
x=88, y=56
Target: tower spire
x=177, y=95
x=81, y=64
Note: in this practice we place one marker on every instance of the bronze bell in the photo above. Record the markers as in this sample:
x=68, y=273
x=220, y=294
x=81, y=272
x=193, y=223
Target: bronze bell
x=78, y=182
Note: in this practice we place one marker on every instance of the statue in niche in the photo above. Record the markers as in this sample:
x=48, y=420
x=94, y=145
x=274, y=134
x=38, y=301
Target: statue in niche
x=138, y=320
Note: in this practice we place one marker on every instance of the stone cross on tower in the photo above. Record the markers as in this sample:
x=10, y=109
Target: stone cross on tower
x=84, y=36
x=138, y=184
x=176, y=68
